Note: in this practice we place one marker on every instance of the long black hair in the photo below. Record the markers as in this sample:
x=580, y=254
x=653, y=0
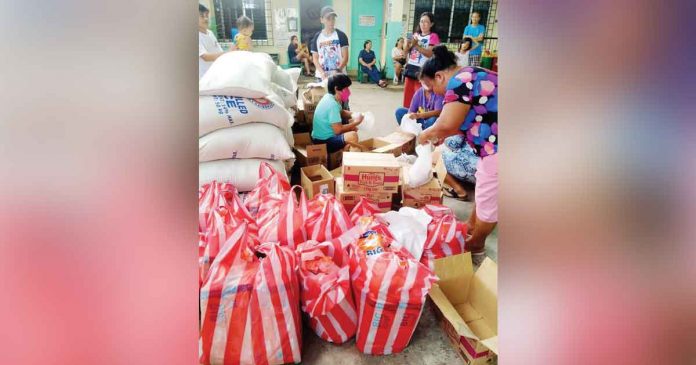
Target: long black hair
x=338, y=81
x=465, y=41
x=442, y=59
x=397, y=41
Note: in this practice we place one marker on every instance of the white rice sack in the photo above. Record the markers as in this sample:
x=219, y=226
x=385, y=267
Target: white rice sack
x=286, y=78
x=239, y=73
x=253, y=140
x=243, y=174
x=217, y=112
x=288, y=97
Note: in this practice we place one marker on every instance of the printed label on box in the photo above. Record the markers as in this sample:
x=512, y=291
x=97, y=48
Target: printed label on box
x=371, y=179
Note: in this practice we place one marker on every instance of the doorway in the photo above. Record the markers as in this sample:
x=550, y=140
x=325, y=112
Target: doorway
x=310, y=24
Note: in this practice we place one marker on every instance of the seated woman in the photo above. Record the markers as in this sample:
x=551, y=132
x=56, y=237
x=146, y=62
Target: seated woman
x=425, y=107
x=367, y=61
x=399, y=58
x=298, y=54
x=327, y=127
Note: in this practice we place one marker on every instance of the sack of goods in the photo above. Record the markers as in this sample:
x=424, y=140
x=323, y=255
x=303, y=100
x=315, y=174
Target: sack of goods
x=445, y=235
x=243, y=174
x=325, y=282
x=253, y=140
x=389, y=287
x=250, y=305
x=223, y=111
x=243, y=118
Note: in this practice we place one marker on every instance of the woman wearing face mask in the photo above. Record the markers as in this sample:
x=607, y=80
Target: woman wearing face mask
x=327, y=127
x=425, y=107
x=420, y=49
x=470, y=109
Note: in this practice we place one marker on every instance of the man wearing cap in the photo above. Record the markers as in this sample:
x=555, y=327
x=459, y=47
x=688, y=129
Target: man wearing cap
x=329, y=47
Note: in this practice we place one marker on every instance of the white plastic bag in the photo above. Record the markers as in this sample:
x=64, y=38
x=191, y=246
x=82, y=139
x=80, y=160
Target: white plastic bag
x=253, y=140
x=409, y=227
x=243, y=174
x=216, y=112
x=368, y=121
x=409, y=159
x=239, y=73
x=421, y=171
x=410, y=125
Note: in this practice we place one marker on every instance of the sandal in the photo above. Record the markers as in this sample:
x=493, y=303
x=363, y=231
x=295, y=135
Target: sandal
x=450, y=192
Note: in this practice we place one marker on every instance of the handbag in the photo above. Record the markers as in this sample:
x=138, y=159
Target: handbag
x=412, y=71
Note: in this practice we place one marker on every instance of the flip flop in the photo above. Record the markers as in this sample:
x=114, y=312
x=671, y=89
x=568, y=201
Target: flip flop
x=450, y=192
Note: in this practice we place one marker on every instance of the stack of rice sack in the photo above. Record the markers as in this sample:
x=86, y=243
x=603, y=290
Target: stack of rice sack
x=244, y=118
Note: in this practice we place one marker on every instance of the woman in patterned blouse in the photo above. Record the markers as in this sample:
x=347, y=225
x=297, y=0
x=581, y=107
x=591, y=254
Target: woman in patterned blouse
x=470, y=109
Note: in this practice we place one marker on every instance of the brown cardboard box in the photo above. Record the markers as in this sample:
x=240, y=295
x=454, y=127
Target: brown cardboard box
x=336, y=172
x=406, y=142
x=466, y=303
x=335, y=159
x=310, y=99
x=379, y=145
x=429, y=193
x=300, y=117
x=349, y=199
x=370, y=172
x=308, y=154
x=316, y=179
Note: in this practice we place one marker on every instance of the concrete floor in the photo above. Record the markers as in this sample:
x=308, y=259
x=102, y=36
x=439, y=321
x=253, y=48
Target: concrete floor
x=429, y=345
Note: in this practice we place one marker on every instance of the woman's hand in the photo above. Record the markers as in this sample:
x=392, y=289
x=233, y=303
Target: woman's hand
x=414, y=42
x=413, y=115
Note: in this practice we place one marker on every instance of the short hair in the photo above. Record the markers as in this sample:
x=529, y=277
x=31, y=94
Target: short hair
x=397, y=41
x=202, y=9
x=465, y=41
x=244, y=22
x=338, y=82
x=366, y=42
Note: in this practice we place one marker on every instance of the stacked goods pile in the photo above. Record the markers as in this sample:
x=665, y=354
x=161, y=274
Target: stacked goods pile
x=245, y=118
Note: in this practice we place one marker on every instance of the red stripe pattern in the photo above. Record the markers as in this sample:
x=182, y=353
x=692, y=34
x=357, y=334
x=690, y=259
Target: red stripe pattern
x=326, y=218
x=445, y=235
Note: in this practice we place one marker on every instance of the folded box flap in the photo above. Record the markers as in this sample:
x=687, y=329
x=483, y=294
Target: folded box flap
x=492, y=344
x=455, y=273
x=450, y=313
x=484, y=292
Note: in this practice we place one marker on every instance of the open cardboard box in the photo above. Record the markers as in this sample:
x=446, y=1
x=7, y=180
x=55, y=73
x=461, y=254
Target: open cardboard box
x=428, y=193
x=370, y=172
x=466, y=303
x=307, y=153
x=316, y=179
x=406, y=142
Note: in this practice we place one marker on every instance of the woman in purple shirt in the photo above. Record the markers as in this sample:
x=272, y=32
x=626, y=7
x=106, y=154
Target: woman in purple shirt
x=425, y=107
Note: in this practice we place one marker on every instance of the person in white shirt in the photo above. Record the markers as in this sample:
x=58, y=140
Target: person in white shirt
x=329, y=47
x=463, y=53
x=399, y=58
x=208, y=47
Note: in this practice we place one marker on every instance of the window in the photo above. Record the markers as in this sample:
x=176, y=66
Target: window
x=451, y=16
x=227, y=12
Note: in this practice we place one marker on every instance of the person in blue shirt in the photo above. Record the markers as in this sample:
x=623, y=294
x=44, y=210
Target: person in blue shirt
x=327, y=125
x=475, y=32
x=367, y=61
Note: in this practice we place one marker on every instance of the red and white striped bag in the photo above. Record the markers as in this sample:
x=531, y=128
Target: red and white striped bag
x=326, y=218
x=281, y=218
x=445, y=235
x=389, y=287
x=250, y=305
x=270, y=182
x=364, y=208
x=324, y=273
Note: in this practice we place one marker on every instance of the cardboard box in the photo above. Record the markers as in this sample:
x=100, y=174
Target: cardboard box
x=370, y=172
x=336, y=172
x=308, y=154
x=429, y=193
x=406, y=142
x=349, y=199
x=335, y=160
x=310, y=99
x=466, y=304
x=300, y=117
x=316, y=179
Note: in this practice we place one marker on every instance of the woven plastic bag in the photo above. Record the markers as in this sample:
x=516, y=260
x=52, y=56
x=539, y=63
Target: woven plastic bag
x=281, y=218
x=327, y=299
x=326, y=218
x=445, y=234
x=270, y=182
x=389, y=287
x=250, y=306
